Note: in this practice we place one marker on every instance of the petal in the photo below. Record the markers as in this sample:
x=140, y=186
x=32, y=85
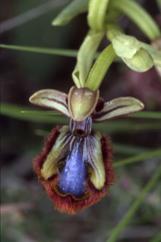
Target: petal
x=51, y=98
x=85, y=57
x=72, y=178
x=57, y=152
x=71, y=204
x=118, y=107
x=95, y=158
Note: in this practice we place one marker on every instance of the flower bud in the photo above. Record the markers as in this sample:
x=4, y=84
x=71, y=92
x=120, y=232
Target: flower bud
x=141, y=61
x=132, y=52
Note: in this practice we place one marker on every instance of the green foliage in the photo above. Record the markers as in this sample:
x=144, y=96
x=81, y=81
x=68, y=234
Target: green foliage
x=51, y=117
x=140, y=157
x=134, y=207
x=40, y=50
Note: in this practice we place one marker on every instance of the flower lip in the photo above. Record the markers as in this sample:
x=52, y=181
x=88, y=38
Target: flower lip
x=72, y=178
x=67, y=202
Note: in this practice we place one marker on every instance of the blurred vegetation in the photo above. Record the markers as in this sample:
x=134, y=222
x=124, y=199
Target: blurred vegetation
x=26, y=213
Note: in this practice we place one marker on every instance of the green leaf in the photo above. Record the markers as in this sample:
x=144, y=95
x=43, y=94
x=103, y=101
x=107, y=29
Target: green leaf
x=85, y=57
x=127, y=149
x=100, y=68
x=51, y=117
x=30, y=114
x=118, y=229
x=97, y=14
x=139, y=157
x=147, y=115
x=139, y=16
x=71, y=11
x=122, y=126
x=40, y=50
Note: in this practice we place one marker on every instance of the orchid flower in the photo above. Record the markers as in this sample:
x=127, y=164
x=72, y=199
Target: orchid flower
x=75, y=165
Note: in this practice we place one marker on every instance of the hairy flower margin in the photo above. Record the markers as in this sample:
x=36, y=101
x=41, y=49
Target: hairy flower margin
x=75, y=165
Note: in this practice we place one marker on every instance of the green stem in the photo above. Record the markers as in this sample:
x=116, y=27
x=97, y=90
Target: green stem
x=139, y=16
x=39, y=50
x=134, y=207
x=140, y=157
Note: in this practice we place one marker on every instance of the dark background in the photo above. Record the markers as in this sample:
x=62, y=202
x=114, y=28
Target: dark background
x=27, y=214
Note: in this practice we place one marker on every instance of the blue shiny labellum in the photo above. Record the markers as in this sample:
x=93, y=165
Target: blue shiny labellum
x=72, y=177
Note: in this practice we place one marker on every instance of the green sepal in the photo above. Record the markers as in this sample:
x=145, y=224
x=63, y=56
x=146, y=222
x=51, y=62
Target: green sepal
x=82, y=102
x=71, y=11
x=118, y=107
x=100, y=67
x=50, y=165
x=85, y=57
x=97, y=170
x=51, y=98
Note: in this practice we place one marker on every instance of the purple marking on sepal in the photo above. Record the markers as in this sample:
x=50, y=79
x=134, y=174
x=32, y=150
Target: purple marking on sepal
x=72, y=177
